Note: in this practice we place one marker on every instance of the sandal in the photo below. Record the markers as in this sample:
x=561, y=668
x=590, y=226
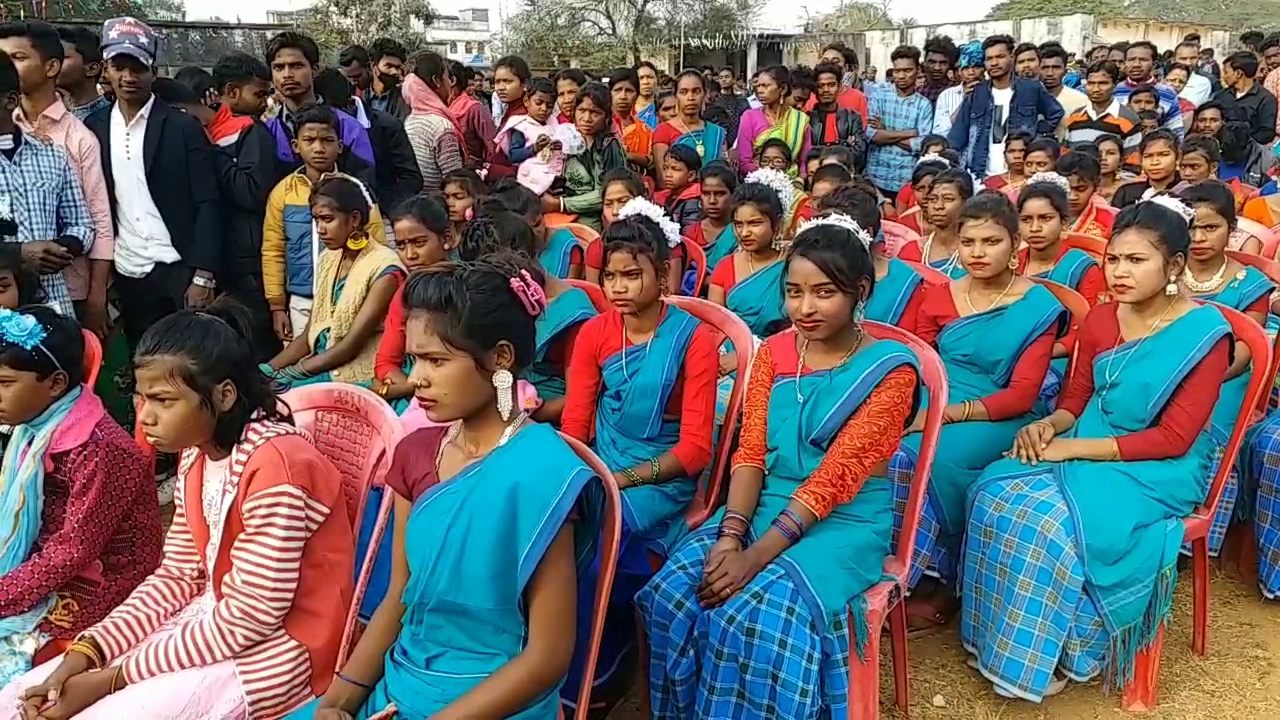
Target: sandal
x=927, y=616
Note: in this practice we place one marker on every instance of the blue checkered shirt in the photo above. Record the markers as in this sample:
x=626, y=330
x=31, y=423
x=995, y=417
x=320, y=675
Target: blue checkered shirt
x=889, y=166
x=45, y=198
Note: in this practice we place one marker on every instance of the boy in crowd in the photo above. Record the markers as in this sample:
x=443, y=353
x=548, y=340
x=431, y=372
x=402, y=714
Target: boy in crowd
x=81, y=71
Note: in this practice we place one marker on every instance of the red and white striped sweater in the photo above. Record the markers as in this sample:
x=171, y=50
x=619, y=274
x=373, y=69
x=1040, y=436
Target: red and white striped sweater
x=281, y=501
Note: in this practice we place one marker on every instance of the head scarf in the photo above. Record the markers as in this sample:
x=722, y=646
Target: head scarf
x=424, y=101
x=972, y=55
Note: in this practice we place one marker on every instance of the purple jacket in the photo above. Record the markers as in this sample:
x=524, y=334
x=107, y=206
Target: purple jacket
x=354, y=138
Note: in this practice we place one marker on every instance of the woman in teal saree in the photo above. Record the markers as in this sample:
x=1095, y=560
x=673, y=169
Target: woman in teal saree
x=940, y=249
x=1072, y=543
x=994, y=331
x=567, y=309
x=750, y=617
x=495, y=517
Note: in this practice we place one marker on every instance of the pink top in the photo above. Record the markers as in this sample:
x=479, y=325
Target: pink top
x=58, y=126
x=752, y=124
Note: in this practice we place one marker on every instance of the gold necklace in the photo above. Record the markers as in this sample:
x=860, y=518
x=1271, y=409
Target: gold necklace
x=995, y=302
x=1107, y=374
x=804, y=350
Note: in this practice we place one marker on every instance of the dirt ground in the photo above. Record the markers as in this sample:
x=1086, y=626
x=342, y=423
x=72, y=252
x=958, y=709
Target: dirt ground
x=1238, y=678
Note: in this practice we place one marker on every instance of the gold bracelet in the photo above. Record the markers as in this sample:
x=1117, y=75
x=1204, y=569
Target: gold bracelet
x=115, y=677
x=1114, y=455
x=968, y=411
x=89, y=651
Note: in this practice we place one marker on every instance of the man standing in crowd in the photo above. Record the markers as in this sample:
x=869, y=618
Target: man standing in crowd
x=81, y=69
x=1053, y=69
x=387, y=57
x=37, y=53
x=1140, y=67
x=353, y=61
x=1026, y=61
x=940, y=56
x=830, y=124
x=998, y=106
x=899, y=121
x=1105, y=114
x=1257, y=103
x=163, y=186
x=43, y=207
x=474, y=119
x=1200, y=86
x=729, y=100
x=971, y=72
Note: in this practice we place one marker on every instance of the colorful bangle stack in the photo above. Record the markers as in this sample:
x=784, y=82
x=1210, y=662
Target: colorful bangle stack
x=789, y=524
x=735, y=531
x=89, y=650
x=633, y=476
x=654, y=467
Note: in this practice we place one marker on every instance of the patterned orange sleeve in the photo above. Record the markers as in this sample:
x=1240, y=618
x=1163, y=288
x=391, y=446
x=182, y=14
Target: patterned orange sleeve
x=867, y=439
x=754, y=437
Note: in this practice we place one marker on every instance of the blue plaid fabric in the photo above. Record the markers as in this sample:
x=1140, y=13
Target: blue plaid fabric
x=930, y=557
x=46, y=200
x=1226, y=506
x=1264, y=455
x=1025, y=610
x=760, y=655
x=889, y=166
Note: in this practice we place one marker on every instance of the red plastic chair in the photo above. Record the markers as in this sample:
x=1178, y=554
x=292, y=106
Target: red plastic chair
x=358, y=432
x=595, y=292
x=897, y=236
x=92, y=358
x=1093, y=245
x=886, y=598
x=1268, y=236
x=1140, y=692
x=1075, y=304
x=707, y=499
x=610, y=540
x=931, y=275
x=696, y=256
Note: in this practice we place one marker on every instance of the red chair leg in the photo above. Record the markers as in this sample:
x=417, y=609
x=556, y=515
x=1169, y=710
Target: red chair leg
x=1200, y=595
x=864, y=676
x=1140, y=693
x=898, y=636
x=642, y=666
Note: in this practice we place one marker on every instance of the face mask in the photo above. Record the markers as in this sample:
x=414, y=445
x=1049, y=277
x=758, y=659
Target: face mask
x=389, y=80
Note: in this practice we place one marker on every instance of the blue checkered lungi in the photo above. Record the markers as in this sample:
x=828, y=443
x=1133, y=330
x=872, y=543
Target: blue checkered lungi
x=1264, y=455
x=930, y=556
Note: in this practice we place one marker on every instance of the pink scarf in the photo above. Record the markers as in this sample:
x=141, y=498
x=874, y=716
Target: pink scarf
x=424, y=101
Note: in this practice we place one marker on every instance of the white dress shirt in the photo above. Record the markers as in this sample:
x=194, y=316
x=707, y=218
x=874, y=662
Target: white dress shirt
x=142, y=240
x=1198, y=89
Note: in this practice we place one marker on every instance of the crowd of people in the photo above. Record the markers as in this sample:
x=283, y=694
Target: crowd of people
x=492, y=254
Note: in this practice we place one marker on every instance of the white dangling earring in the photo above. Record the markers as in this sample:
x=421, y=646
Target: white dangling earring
x=502, y=382
x=859, y=313
x=1172, y=288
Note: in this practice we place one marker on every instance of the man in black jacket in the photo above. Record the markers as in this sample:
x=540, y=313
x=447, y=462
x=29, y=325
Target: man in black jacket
x=386, y=62
x=162, y=182
x=395, y=167
x=831, y=124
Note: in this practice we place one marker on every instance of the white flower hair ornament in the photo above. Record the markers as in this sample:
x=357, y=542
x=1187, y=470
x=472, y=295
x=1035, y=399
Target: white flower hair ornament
x=841, y=221
x=1050, y=178
x=1170, y=202
x=642, y=207
x=777, y=181
x=933, y=157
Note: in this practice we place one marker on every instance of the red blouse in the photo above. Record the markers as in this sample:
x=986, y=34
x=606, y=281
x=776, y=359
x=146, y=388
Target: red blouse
x=692, y=400
x=390, y=355
x=413, y=466
x=910, y=319
x=725, y=275
x=938, y=308
x=866, y=441
x=1181, y=420
x=911, y=251
x=1093, y=284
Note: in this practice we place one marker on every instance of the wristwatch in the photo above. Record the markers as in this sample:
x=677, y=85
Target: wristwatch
x=203, y=282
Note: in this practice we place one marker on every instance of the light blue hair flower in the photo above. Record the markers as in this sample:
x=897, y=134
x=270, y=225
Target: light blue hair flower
x=22, y=330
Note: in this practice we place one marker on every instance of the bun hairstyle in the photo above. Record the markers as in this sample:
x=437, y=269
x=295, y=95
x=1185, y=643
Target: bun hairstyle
x=1046, y=191
x=517, y=198
x=763, y=198
x=1216, y=195
x=347, y=194
x=495, y=229
x=61, y=349
x=213, y=346
x=993, y=206
x=839, y=254
x=472, y=306
x=1171, y=232
x=855, y=201
x=638, y=236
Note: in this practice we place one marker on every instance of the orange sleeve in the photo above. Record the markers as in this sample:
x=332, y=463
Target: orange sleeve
x=868, y=438
x=582, y=382
x=754, y=436
x=698, y=400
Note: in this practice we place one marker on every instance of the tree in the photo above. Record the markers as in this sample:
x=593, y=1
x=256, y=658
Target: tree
x=55, y=10
x=852, y=17
x=337, y=23
x=1232, y=13
x=600, y=33
x=1018, y=9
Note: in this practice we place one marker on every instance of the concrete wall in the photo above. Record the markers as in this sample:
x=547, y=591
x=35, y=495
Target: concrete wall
x=1164, y=35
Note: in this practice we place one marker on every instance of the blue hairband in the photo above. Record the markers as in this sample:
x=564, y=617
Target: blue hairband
x=26, y=332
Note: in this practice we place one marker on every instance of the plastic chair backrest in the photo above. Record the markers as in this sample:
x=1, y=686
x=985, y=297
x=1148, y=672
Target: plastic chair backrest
x=934, y=377
x=897, y=236
x=1075, y=304
x=1269, y=238
x=1271, y=269
x=696, y=256
x=610, y=540
x=92, y=358
x=595, y=292
x=1249, y=332
x=584, y=233
x=1093, y=245
x=705, y=502
x=358, y=432
x=931, y=275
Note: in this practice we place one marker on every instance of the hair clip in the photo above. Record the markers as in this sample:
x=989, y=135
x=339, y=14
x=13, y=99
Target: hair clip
x=644, y=208
x=25, y=332
x=841, y=221
x=530, y=293
x=359, y=183
x=1169, y=202
x=933, y=157
x=1049, y=178
x=468, y=214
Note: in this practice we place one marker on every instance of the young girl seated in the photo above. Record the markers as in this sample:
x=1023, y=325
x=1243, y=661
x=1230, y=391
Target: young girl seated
x=682, y=196
x=245, y=613
x=619, y=188
x=424, y=237
x=558, y=250
x=355, y=281
x=77, y=502
x=462, y=190
x=714, y=232
x=482, y=628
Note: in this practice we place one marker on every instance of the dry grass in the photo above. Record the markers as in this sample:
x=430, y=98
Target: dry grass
x=1239, y=677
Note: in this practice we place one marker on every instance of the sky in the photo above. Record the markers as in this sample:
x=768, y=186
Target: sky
x=777, y=14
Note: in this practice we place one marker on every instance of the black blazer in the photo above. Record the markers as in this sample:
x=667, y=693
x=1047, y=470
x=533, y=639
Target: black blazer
x=396, y=168
x=182, y=178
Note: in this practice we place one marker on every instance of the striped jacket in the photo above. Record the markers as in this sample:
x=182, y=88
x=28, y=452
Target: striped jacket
x=281, y=576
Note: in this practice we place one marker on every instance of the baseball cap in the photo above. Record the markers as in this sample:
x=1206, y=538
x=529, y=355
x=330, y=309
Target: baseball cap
x=128, y=36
